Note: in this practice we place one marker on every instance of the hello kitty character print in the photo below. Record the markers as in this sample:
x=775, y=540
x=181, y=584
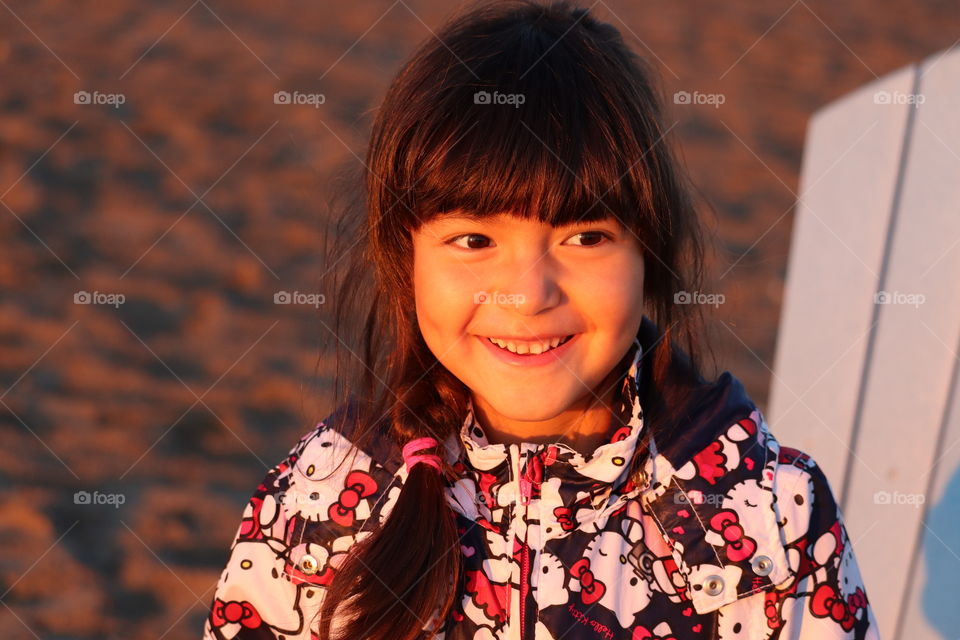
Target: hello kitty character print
x=725, y=535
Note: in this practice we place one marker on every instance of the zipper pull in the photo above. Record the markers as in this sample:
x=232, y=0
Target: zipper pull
x=525, y=484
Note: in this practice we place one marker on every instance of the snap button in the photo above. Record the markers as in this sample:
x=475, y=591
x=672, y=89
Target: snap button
x=308, y=564
x=761, y=565
x=713, y=585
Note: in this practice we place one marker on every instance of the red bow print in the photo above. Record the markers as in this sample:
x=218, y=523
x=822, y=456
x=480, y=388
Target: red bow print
x=771, y=606
x=530, y=479
x=359, y=484
x=591, y=589
x=857, y=600
x=727, y=524
x=234, y=612
x=492, y=598
x=642, y=633
x=487, y=481
x=827, y=602
x=711, y=463
x=564, y=516
x=250, y=528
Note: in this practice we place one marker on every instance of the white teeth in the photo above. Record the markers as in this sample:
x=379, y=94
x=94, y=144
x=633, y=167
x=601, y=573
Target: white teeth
x=527, y=347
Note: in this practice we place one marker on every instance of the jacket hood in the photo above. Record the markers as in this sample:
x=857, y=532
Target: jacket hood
x=694, y=417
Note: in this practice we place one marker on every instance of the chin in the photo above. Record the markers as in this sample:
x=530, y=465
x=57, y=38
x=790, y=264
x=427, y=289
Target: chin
x=526, y=408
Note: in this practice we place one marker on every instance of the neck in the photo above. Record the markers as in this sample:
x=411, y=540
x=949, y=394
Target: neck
x=582, y=427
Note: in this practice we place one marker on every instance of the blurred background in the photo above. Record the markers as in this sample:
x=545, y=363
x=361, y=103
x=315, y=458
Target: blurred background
x=155, y=197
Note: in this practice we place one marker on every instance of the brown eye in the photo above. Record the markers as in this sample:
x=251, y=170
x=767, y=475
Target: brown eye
x=590, y=238
x=473, y=240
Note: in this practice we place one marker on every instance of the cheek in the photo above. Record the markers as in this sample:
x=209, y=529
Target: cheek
x=613, y=296
x=443, y=301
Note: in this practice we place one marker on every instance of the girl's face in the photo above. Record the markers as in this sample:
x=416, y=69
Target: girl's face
x=524, y=282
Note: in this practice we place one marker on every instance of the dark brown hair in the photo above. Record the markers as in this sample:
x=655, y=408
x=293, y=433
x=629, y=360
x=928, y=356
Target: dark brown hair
x=587, y=142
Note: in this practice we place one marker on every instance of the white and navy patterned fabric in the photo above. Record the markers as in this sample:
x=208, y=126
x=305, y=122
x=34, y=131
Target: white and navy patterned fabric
x=724, y=534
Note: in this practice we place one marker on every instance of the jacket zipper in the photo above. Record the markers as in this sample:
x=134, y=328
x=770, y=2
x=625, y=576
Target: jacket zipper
x=524, y=565
x=516, y=619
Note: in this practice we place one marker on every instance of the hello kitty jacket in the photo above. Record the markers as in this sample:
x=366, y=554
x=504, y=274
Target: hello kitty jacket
x=727, y=535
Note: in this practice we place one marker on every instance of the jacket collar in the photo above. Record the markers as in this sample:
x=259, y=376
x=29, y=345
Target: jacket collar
x=604, y=464
x=576, y=482
x=719, y=440
x=707, y=411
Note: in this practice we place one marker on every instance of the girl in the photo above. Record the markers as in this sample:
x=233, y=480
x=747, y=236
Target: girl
x=527, y=447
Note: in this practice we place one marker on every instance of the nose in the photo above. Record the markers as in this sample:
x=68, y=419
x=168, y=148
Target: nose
x=529, y=285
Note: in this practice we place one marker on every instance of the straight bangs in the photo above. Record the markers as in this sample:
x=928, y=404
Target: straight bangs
x=557, y=169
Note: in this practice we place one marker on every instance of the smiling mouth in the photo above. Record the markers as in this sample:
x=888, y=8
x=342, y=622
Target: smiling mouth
x=529, y=348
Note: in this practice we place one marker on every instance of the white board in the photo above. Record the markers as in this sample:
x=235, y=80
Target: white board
x=867, y=384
